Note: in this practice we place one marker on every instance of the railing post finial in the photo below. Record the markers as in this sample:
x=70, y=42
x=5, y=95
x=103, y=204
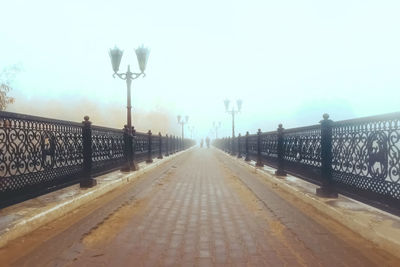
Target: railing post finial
x=150, y=148
x=86, y=178
x=247, y=158
x=327, y=187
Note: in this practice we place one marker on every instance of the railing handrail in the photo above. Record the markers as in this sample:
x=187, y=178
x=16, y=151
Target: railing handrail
x=387, y=116
x=13, y=115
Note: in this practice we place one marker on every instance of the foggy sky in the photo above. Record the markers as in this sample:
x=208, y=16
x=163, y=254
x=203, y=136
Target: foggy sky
x=290, y=61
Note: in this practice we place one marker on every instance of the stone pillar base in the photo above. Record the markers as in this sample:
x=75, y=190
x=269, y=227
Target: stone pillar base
x=259, y=164
x=130, y=167
x=87, y=183
x=326, y=192
x=280, y=173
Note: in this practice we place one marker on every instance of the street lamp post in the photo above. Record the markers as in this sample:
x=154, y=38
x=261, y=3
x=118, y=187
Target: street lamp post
x=233, y=112
x=216, y=127
x=182, y=122
x=142, y=54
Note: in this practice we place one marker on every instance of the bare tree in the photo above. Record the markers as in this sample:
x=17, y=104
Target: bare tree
x=7, y=76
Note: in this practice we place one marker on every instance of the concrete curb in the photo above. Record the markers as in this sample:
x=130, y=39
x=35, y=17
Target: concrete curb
x=377, y=226
x=43, y=215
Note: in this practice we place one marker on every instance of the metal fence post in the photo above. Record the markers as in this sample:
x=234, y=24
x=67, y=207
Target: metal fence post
x=150, y=147
x=280, y=171
x=327, y=187
x=129, y=150
x=160, y=146
x=166, y=145
x=173, y=144
x=247, y=158
x=86, y=179
x=259, y=162
x=233, y=146
x=134, y=165
x=239, y=150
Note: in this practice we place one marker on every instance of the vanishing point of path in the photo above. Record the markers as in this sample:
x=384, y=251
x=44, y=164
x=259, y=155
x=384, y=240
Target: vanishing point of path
x=199, y=209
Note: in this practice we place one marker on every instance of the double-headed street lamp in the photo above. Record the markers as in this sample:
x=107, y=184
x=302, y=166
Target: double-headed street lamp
x=233, y=112
x=182, y=122
x=142, y=54
x=216, y=127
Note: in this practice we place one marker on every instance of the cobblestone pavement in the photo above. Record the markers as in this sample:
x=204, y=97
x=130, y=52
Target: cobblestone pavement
x=207, y=211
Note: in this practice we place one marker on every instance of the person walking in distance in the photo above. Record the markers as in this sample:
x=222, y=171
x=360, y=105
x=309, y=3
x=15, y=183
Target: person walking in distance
x=208, y=142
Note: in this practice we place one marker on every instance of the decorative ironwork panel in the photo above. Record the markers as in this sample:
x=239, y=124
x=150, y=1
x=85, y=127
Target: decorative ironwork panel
x=155, y=146
x=303, y=145
x=269, y=147
x=242, y=144
x=141, y=146
x=302, y=152
x=164, y=145
x=253, y=146
x=35, y=150
x=366, y=154
x=107, y=148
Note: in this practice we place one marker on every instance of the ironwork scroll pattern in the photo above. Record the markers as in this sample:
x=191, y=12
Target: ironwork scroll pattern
x=107, y=147
x=155, y=145
x=366, y=155
x=164, y=145
x=303, y=145
x=269, y=145
x=141, y=142
x=141, y=146
x=252, y=145
x=35, y=150
x=242, y=144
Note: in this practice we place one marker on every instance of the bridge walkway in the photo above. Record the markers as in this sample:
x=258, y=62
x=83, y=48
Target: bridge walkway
x=199, y=209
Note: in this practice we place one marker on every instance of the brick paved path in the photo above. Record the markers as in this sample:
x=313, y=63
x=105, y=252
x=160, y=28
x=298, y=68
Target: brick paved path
x=202, y=212
x=203, y=216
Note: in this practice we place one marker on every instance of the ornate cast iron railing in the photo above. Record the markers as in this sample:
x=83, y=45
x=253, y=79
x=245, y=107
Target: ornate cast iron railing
x=359, y=157
x=39, y=154
x=107, y=149
x=366, y=156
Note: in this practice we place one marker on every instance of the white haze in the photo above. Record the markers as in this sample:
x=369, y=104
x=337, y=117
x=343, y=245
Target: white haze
x=290, y=61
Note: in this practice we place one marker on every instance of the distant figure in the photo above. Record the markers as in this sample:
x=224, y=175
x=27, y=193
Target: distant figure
x=201, y=143
x=208, y=142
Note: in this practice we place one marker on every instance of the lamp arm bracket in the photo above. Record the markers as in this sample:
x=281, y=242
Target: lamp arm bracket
x=136, y=75
x=120, y=75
